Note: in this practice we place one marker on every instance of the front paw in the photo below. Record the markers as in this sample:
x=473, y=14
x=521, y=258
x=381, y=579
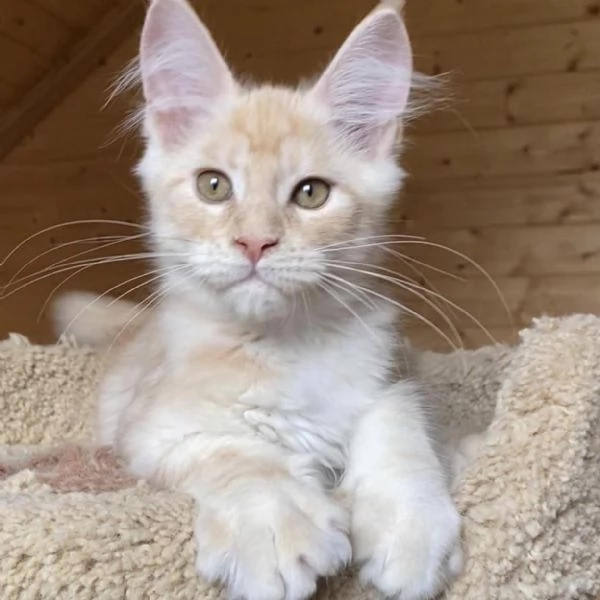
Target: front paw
x=408, y=548
x=271, y=543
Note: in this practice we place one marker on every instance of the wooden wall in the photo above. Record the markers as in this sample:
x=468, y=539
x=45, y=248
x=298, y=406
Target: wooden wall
x=509, y=176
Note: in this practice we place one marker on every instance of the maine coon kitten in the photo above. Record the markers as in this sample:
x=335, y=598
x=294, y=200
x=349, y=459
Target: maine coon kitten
x=262, y=375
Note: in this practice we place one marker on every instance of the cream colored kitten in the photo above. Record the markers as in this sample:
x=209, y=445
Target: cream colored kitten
x=263, y=380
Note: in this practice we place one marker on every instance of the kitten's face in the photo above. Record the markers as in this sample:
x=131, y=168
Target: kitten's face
x=265, y=149
x=258, y=194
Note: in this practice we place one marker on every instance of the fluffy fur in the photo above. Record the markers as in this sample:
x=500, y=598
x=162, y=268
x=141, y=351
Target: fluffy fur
x=266, y=390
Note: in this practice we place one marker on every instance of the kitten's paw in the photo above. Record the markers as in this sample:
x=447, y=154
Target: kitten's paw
x=271, y=543
x=408, y=549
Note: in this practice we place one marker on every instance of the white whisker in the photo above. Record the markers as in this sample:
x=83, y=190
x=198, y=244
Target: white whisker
x=403, y=285
x=419, y=273
x=110, y=241
x=367, y=238
x=153, y=300
x=412, y=287
x=156, y=274
x=466, y=258
x=402, y=308
x=68, y=224
x=28, y=280
x=411, y=259
x=324, y=287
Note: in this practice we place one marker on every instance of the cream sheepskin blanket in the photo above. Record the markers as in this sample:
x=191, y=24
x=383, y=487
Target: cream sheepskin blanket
x=74, y=525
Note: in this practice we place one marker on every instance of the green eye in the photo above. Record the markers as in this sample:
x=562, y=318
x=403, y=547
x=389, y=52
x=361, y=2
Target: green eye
x=311, y=193
x=213, y=186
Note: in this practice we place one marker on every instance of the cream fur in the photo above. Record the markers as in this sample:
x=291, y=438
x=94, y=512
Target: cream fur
x=267, y=390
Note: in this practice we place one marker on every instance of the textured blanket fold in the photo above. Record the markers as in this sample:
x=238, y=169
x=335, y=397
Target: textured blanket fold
x=74, y=525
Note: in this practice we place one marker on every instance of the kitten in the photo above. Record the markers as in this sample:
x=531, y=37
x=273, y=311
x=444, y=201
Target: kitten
x=262, y=382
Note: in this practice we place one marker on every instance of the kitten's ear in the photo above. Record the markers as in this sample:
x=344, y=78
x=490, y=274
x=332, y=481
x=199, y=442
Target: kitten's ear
x=183, y=73
x=366, y=86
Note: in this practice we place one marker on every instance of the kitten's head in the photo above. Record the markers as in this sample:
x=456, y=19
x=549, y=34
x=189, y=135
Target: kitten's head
x=254, y=192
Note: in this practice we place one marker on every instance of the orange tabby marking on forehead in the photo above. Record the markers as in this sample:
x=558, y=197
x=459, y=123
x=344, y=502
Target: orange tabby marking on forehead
x=267, y=117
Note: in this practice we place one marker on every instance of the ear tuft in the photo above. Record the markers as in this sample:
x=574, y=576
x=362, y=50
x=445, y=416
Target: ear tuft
x=183, y=73
x=367, y=84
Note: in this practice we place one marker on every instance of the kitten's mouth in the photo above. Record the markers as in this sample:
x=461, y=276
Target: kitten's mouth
x=254, y=275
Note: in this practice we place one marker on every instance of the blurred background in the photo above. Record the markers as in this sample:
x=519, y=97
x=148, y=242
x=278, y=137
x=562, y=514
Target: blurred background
x=507, y=174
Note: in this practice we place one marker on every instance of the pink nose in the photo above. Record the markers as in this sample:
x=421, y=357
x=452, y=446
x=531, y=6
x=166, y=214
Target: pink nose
x=254, y=248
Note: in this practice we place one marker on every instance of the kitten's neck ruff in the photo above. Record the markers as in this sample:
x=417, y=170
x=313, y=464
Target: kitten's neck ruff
x=311, y=318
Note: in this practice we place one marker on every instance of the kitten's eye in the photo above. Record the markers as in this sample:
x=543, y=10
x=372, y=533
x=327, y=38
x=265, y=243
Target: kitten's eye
x=213, y=186
x=311, y=193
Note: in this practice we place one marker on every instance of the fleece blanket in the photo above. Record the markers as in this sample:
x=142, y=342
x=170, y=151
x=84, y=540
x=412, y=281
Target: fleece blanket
x=75, y=525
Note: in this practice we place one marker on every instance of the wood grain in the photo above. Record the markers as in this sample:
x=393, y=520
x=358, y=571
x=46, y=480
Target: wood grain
x=24, y=64
x=444, y=16
x=513, y=251
x=8, y=93
x=541, y=200
x=106, y=35
x=526, y=297
x=82, y=15
x=501, y=53
x=34, y=27
x=561, y=148
x=515, y=101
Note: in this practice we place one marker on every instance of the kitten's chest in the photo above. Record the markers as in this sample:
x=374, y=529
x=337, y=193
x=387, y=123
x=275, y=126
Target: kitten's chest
x=311, y=405
x=304, y=396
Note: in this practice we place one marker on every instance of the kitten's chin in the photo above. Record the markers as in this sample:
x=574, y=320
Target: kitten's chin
x=257, y=301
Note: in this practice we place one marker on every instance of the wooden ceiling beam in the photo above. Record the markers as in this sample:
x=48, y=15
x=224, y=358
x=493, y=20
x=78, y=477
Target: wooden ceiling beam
x=113, y=28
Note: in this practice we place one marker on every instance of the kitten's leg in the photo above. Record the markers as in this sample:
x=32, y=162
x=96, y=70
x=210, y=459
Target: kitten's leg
x=264, y=526
x=405, y=529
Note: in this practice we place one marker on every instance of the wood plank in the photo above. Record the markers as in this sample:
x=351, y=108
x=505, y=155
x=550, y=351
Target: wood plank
x=501, y=53
x=268, y=27
x=107, y=34
x=38, y=178
x=286, y=67
x=426, y=339
x=540, y=201
x=527, y=181
x=92, y=185
x=469, y=303
x=445, y=16
x=513, y=251
x=74, y=12
x=53, y=195
x=40, y=196
x=83, y=125
x=90, y=100
x=24, y=64
x=467, y=106
x=8, y=93
x=528, y=100
x=34, y=27
x=71, y=139
x=528, y=298
x=536, y=149
x=562, y=295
